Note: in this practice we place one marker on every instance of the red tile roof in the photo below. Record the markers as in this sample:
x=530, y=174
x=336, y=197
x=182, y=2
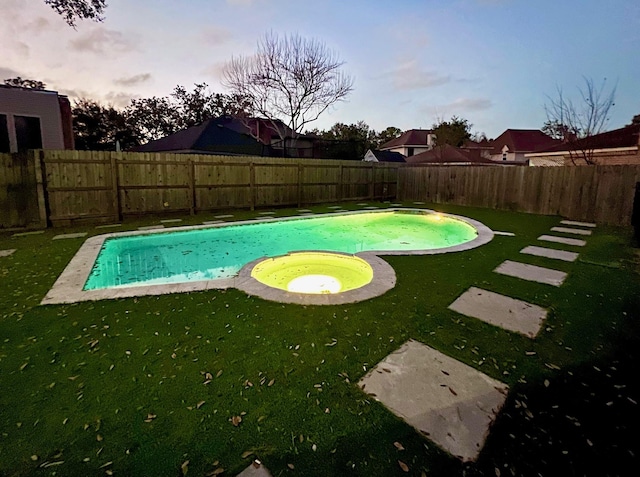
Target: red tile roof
x=447, y=155
x=412, y=137
x=523, y=140
x=627, y=136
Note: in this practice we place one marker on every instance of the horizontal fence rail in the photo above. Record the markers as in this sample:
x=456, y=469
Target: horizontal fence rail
x=98, y=185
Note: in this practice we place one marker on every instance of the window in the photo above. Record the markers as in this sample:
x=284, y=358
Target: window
x=409, y=151
x=28, y=134
x=504, y=156
x=4, y=134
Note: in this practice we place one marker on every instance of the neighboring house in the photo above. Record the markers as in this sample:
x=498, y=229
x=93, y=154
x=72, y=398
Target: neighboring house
x=411, y=142
x=34, y=119
x=448, y=155
x=482, y=148
x=620, y=146
x=374, y=155
x=512, y=145
x=233, y=136
x=214, y=136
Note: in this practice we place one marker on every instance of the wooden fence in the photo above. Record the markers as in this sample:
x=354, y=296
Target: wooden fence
x=601, y=194
x=93, y=185
x=21, y=198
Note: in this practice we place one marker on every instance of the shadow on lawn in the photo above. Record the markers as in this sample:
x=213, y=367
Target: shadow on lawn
x=580, y=421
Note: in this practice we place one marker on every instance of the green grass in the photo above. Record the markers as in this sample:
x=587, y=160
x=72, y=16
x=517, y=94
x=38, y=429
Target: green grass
x=78, y=382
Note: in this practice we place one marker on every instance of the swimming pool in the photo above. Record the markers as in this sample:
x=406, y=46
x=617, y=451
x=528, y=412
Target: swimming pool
x=201, y=257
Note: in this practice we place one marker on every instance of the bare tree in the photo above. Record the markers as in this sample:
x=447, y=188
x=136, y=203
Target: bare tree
x=290, y=80
x=72, y=10
x=577, y=122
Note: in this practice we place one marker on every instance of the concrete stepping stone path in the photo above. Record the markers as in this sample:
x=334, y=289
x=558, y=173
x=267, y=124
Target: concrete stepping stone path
x=255, y=470
x=532, y=273
x=70, y=236
x=449, y=402
x=550, y=253
x=6, y=253
x=224, y=216
x=108, y=226
x=563, y=240
x=505, y=234
x=578, y=224
x=499, y=310
x=566, y=230
x=170, y=221
x=26, y=234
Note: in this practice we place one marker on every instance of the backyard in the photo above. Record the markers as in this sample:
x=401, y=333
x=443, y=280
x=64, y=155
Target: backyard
x=205, y=382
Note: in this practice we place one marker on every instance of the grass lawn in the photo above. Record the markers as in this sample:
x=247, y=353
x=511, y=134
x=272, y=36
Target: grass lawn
x=199, y=382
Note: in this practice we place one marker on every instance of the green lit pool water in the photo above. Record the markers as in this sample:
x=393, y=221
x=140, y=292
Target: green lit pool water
x=220, y=252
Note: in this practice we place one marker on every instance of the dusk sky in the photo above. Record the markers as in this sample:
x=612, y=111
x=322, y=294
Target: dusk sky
x=493, y=62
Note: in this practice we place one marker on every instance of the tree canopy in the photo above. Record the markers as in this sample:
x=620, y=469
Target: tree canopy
x=453, y=132
x=73, y=10
x=19, y=82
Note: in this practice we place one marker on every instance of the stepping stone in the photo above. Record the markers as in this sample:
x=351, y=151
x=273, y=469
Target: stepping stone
x=506, y=234
x=109, y=226
x=566, y=230
x=6, y=253
x=419, y=203
x=69, y=236
x=550, y=253
x=170, y=221
x=255, y=470
x=578, y=224
x=499, y=310
x=304, y=210
x=24, y=234
x=151, y=227
x=449, y=402
x=306, y=213
x=362, y=203
x=371, y=207
x=266, y=213
x=335, y=207
x=564, y=240
x=226, y=216
x=211, y=222
x=396, y=205
x=532, y=273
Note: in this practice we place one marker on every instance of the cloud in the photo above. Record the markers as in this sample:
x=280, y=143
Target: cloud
x=242, y=3
x=214, y=35
x=101, y=40
x=410, y=75
x=117, y=99
x=133, y=80
x=459, y=106
x=7, y=73
x=215, y=70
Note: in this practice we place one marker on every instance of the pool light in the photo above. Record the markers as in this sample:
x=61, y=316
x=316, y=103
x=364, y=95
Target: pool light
x=314, y=284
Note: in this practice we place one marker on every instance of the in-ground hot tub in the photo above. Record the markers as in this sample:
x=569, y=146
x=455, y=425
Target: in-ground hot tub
x=214, y=256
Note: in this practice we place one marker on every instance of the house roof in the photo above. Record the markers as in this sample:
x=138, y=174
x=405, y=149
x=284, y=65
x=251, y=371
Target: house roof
x=388, y=156
x=214, y=135
x=483, y=144
x=447, y=155
x=627, y=136
x=523, y=140
x=412, y=137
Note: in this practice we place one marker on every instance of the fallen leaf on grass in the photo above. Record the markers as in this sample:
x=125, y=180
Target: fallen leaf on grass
x=218, y=471
x=185, y=467
x=398, y=446
x=236, y=420
x=403, y=466
x=246, y=454
x=291, y=466
x=270, y=383
x=218, y=374
x=200, y=404
x=150, y=417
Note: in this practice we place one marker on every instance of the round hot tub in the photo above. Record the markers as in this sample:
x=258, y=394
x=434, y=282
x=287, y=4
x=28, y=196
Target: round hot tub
x=317, y=278
x=314, y=272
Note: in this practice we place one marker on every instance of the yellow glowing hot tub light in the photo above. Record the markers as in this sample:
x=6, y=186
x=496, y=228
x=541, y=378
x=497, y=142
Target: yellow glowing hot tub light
x=314, y=272
x=314, y=284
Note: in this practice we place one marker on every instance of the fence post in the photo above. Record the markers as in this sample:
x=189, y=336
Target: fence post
x=115, y=188
x=372, y=182
x=300, y=172
x=38, y=160
x=192, y=186
x=252, y=185
x=340, y=191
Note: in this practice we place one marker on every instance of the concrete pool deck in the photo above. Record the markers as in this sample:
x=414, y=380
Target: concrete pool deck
x=68, y=288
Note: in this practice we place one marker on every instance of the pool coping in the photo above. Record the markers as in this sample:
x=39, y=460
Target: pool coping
x=68, y=288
